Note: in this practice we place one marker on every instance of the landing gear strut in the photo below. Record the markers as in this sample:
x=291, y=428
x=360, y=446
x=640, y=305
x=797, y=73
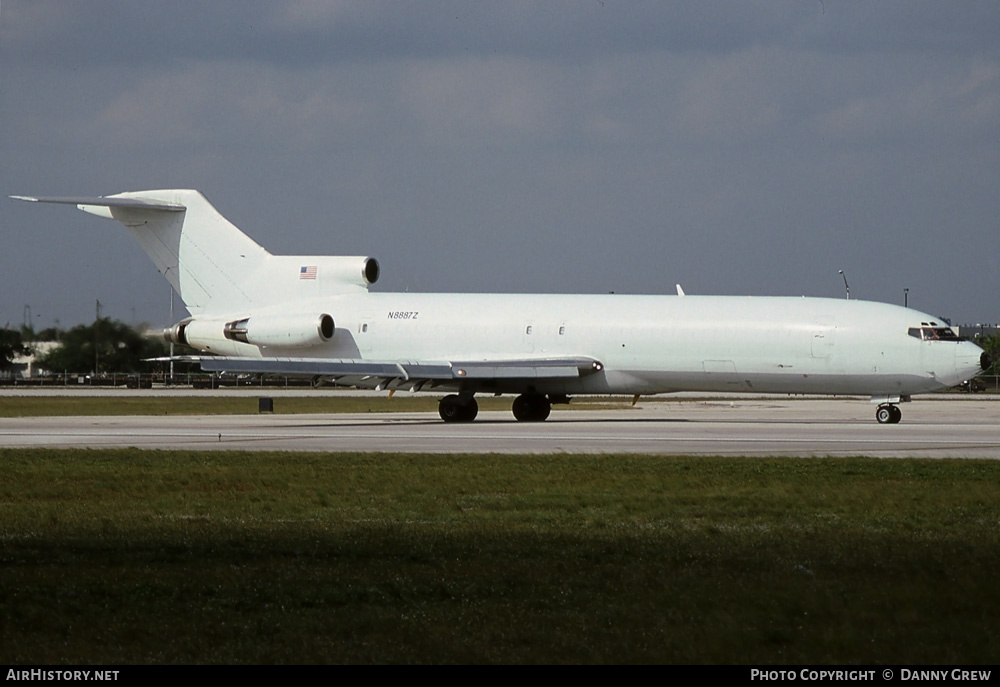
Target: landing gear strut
x=531, y=408
x=888, y=414
x=454, y=408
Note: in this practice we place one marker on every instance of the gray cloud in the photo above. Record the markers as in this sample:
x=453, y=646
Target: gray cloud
x=735, y=147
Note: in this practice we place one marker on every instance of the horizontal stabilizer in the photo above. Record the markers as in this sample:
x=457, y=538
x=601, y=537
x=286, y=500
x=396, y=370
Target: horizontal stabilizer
x=102, y=201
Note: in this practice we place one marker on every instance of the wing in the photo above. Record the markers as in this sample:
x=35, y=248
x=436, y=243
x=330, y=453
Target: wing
x=412, y=375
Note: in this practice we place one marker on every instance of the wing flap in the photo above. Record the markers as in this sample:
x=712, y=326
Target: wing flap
x=551, y=368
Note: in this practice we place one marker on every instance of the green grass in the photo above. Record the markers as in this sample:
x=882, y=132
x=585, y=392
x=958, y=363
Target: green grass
x=161, y=557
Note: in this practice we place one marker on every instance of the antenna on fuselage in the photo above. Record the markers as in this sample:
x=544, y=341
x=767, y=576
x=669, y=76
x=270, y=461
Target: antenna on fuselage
x=841, y=273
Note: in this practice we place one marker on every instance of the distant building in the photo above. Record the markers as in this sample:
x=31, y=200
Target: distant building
x=25, y=366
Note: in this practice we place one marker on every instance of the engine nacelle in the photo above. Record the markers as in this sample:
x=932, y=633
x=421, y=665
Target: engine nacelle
x=356, y=270
x=281, y=330
x=218, y=336
x=177, y=334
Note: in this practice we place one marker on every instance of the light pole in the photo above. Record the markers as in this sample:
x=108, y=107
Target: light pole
x=171, y=340
x=906, y=297
x=841, y=273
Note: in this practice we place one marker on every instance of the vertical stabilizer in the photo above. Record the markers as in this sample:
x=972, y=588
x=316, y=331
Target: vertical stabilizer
x=206, y=259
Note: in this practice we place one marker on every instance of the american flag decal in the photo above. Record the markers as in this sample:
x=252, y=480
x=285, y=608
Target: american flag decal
x=307, y=272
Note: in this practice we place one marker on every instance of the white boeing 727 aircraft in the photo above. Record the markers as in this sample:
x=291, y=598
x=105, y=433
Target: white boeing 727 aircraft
x=313, y=316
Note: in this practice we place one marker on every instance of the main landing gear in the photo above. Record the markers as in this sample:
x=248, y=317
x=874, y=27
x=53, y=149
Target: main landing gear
x=888, y=414
x=455, y=408
x=527, y=408
x=531, y=408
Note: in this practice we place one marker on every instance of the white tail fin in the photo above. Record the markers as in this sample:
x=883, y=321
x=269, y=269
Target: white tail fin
x=214, y=266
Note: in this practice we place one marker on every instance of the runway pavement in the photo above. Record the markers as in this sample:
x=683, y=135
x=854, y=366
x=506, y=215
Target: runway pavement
x=957, y=427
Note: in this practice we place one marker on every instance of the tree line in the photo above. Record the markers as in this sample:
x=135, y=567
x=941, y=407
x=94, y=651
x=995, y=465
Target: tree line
x=105, y=346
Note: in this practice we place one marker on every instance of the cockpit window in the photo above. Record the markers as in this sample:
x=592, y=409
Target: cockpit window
x=937, y=333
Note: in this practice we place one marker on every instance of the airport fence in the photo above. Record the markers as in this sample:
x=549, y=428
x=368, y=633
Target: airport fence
x=195, y=380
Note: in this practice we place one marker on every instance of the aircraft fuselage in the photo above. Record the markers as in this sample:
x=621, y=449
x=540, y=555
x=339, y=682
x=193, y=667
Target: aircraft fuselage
x=650, y=344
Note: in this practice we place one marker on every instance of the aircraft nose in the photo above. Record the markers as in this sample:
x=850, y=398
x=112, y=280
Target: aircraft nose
x=970, y=360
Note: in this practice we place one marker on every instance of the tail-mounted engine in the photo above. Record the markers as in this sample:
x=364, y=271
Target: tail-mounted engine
x=280, y=330
x=219, y=336
x=332, y=273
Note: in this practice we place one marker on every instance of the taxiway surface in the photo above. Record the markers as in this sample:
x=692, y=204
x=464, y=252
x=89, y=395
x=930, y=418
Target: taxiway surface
x=953, y=427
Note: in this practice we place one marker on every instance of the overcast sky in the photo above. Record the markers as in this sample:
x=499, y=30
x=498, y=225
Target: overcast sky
x=592, y=146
